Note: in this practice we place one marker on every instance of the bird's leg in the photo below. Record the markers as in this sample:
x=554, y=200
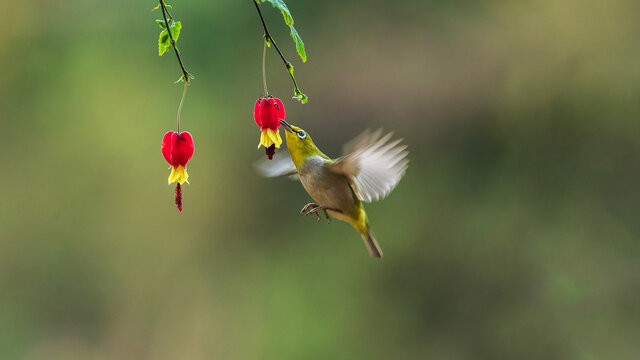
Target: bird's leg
x=324, y=208
x=328, y=217
x=306, y=210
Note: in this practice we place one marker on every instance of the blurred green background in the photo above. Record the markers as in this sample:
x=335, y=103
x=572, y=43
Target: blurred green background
x=514, y=234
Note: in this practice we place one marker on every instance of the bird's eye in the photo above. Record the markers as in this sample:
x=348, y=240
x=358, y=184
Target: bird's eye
x=302, y=134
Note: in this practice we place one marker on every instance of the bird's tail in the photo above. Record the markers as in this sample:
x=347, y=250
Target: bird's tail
x=370, y=241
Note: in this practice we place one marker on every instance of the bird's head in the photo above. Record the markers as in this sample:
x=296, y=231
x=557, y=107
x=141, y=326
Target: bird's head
x=299, y=144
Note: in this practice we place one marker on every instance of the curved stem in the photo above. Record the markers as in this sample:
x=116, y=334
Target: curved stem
x=269, y=39
x=264, y=73
x=185, y=73
x=180, y=106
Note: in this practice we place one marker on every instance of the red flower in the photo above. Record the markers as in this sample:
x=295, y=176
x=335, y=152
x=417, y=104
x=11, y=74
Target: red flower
x=177, y=149
x=267, y=114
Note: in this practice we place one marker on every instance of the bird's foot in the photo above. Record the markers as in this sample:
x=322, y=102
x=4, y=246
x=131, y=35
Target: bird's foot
x=312, y=208
x=307, y=210
x=307, y=207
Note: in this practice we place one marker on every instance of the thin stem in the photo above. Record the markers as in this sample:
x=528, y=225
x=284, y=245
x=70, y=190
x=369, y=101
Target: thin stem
x=184, y=92
x=168, y=13
x=185, y=73
x=267, y=37
x=264, y=73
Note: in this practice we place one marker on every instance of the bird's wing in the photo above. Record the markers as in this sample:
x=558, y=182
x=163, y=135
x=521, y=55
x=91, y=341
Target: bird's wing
x=373, y=164
x=280, y=165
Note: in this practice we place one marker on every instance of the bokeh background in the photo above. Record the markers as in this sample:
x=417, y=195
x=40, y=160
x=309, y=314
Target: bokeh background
x=513, y=235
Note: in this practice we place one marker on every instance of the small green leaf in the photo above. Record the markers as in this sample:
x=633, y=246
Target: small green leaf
x=299, y=44
x=183, y=79
x=158, y=6
x=288, y=19
x=161, y=23
x=298, y=95
x=280, y=5
x=164, y=42
x=175, y=30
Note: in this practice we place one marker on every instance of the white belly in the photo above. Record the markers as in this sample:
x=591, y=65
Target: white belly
x=327, y=188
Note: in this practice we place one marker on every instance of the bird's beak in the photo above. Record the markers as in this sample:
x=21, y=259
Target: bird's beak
x=286, y=125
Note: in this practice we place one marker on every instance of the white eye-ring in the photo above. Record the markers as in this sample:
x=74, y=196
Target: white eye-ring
x=301, y=134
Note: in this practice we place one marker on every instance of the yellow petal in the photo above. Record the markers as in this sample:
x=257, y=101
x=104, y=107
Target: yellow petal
x=178, y=174
x=270, y=137
x=275, y=137
x=264, y=140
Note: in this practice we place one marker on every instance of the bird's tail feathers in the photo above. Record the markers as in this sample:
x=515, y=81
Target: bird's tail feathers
x=372, y=244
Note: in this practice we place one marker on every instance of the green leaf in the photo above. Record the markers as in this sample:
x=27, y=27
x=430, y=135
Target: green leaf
x=164, y=42
x=299, y=44
x=288, y=19
x=300, y=96
x=161, y=23
x=175, y=30
x=280, y=5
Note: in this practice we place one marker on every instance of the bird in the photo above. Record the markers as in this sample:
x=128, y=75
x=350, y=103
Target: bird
x=370, y=168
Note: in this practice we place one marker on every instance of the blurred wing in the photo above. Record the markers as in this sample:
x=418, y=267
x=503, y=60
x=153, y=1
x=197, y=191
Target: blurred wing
x=280, y=165
x=373, y=164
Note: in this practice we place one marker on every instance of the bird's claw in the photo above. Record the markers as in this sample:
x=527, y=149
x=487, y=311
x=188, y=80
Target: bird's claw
x=313, y=208
x=307, y=208
x=310, y=209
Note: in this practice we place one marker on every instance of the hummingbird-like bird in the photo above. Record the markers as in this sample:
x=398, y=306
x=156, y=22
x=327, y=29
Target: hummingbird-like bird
x=369, y=169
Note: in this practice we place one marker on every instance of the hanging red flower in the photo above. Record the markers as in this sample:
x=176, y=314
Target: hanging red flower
x=267, y=114
x=177, y=149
